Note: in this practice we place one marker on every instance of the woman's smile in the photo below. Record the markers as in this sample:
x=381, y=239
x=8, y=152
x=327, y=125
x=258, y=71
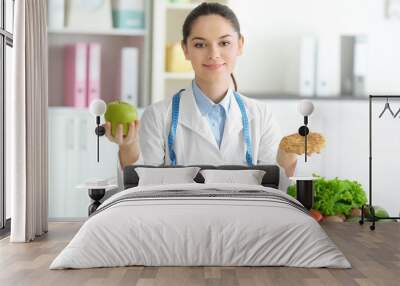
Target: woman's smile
x=213, y=66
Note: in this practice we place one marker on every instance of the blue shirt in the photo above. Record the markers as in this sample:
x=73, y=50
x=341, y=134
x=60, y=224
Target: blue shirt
x=215, y=113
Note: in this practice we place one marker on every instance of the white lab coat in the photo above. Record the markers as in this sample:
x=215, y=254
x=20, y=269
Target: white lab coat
x=195, y=143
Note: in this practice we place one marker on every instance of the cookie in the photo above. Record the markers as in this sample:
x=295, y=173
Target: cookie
x=295, y=143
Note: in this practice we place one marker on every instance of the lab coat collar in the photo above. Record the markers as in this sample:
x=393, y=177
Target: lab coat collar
x=191, y=117
x=205, y=104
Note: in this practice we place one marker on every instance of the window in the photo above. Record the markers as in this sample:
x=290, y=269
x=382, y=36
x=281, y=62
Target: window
x=6, y=44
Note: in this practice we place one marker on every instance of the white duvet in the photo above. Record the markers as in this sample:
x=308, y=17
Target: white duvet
x=182, y=231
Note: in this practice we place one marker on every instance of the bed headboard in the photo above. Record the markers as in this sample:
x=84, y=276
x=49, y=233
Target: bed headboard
x=270, y=179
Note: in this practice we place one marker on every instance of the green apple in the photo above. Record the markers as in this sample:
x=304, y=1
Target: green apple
x=120, y=112
x=381, y=212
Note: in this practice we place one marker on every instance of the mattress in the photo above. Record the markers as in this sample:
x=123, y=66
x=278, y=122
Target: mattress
x=200, y=225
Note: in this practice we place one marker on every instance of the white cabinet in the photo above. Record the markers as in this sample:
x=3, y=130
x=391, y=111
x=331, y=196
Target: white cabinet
x=73, y=160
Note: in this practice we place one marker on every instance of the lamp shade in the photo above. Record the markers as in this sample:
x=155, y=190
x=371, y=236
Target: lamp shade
x=305, y=107
x=97, y=107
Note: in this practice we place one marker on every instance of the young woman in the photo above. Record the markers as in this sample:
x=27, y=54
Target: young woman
x=207, y=122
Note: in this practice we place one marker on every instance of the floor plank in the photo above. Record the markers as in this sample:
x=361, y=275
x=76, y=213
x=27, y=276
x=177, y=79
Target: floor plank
x=374, y=255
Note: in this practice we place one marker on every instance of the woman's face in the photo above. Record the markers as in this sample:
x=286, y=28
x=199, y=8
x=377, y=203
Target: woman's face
x=212, y=47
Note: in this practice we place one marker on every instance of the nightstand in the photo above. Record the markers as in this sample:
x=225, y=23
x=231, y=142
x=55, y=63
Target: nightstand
x=96, y=191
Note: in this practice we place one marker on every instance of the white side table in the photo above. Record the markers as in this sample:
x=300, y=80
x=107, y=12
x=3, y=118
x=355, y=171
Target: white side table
x=96, y=190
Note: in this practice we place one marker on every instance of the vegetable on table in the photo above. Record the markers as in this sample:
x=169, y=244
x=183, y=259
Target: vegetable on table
x=316, y=215
x=335, y=197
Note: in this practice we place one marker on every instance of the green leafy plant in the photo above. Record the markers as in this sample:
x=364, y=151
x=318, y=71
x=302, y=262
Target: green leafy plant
x=335, y=196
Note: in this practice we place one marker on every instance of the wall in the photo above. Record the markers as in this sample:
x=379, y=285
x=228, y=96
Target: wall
x=269, y=65
x=384, y=56
x=344, y=123
x=272, y=30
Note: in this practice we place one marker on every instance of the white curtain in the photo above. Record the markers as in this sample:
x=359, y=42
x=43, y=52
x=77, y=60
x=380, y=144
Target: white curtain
x=26, y=133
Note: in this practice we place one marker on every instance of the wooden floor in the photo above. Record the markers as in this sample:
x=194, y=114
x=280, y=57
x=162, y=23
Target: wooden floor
x=374, y=255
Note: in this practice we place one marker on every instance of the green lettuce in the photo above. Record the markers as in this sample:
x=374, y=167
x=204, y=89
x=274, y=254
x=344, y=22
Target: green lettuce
x=335, y=196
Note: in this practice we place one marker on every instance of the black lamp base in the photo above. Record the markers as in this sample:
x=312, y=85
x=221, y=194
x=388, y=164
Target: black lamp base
x=96, y=195
x=305, y=193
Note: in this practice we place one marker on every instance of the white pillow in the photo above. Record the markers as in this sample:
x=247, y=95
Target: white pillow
x=249, y=177
x=165, y=176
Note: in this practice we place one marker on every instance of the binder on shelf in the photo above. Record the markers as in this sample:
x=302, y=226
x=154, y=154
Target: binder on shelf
x=353, y=64
x=328, y=65
x=56, y=13
x=347, y=64
x=93, y=72
x=75, y=72
x=130, y=75
x=175, y=60
x=308, y=54
x=360, y=65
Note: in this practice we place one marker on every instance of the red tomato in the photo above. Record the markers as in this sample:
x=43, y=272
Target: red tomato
x=317, y=215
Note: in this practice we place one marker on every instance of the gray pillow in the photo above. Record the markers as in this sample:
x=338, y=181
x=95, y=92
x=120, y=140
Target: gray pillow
x=166, y=176
x=248, y=177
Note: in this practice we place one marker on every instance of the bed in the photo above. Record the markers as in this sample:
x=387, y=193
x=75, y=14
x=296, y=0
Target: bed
x=198, y=224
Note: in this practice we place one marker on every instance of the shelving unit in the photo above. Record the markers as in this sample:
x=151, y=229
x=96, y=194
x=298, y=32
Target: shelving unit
x=112, y=41
x=110, y=32
x=168, y=19
x=72, y=141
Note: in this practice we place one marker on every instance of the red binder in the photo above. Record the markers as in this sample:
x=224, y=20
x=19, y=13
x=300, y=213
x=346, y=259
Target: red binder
x=75, y=75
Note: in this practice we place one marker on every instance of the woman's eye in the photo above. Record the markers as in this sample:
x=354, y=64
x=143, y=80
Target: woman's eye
x=225, y=43
x=199, y=45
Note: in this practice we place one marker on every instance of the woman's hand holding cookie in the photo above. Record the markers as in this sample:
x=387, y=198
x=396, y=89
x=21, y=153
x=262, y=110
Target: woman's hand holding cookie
x=295, y=143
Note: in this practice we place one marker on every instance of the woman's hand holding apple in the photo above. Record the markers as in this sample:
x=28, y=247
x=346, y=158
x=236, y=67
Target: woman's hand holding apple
x=122, y=128
x=123, y=140
x=129, y=150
